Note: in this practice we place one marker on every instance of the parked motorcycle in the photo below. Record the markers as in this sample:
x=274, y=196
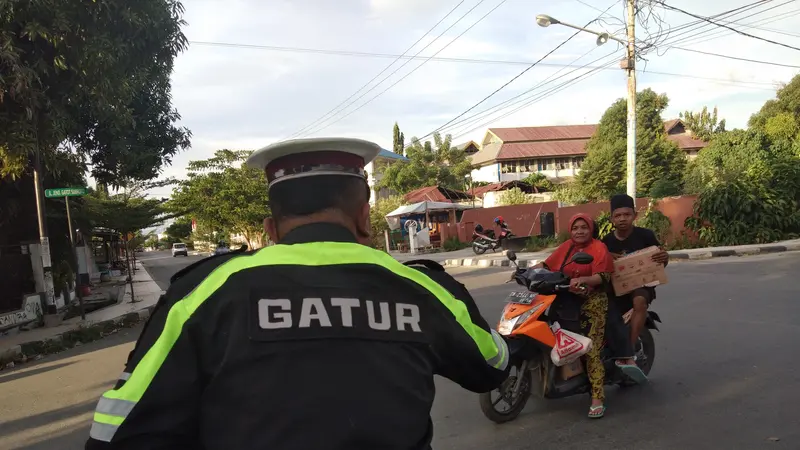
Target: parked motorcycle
x=483, y=240
x=526, y=324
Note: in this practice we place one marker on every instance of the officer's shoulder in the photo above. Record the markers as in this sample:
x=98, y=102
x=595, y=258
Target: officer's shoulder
x=425, y=264
x=189, y=277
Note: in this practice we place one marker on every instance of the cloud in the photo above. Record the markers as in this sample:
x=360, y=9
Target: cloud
x=245, y=98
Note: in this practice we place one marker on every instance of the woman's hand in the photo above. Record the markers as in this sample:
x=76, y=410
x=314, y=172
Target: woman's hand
x=577, y=285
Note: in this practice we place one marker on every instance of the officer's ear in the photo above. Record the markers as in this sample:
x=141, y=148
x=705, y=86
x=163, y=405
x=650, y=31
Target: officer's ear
x=271, y=228
x=363, y=225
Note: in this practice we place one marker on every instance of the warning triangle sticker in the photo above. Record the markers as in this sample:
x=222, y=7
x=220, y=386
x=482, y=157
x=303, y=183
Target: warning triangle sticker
x=566, y=340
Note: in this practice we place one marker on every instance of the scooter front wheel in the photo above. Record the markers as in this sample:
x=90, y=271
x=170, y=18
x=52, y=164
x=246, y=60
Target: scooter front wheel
x=505, y=394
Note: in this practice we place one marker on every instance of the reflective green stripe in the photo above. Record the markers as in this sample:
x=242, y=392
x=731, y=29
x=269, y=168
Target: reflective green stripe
x=108, y=419
x=311, y=254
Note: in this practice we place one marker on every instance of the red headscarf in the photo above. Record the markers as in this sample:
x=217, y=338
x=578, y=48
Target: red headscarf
x=603, y=262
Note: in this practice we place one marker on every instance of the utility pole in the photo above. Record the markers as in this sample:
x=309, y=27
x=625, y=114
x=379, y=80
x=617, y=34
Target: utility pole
x=629, y=64
x=44, y=241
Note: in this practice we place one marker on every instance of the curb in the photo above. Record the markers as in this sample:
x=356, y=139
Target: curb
x=679, y=255
x=39, y=347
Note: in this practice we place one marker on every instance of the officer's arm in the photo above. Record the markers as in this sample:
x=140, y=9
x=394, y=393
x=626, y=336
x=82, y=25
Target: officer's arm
x=155, y=403
x=470, y=352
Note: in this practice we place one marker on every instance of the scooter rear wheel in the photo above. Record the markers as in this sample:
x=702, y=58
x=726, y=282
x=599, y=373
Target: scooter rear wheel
x=516, y=403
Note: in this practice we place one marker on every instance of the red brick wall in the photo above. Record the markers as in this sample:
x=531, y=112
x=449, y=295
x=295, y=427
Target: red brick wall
x=524, y=219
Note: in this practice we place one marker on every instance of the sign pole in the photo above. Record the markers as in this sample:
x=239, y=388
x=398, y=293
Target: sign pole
x=78, y=292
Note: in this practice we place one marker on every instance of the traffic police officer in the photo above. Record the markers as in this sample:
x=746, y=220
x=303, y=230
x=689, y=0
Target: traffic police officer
x=318, y=342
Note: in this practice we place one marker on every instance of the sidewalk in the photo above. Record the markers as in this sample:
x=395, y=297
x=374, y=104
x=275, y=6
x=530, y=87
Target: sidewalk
x=531, y=259
x=29, y=343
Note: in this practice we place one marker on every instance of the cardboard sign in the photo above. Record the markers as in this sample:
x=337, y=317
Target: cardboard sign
x=637, y=270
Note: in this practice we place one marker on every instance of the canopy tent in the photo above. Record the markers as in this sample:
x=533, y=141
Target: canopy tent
x=421, y=208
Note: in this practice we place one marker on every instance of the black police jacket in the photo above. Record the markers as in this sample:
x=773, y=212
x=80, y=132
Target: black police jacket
x=316, y=343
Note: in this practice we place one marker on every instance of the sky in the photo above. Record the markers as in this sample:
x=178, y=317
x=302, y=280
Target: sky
x=232, y=94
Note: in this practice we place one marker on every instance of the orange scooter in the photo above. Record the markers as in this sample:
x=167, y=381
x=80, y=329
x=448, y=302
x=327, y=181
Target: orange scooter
x=526, y=324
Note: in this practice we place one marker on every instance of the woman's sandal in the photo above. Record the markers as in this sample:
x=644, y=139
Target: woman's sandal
x=597, y=412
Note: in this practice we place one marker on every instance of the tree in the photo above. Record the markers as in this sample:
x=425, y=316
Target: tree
x=224, y=195
x=180, y=230
x=703, y=125
x=539, y=181
x=603, y=172
x=377, y=218
x=127, y=214
x=513, y=196
x=727, y=158
x=90, y=79
x=443, y=165
x=787, y=100
x=398, y=140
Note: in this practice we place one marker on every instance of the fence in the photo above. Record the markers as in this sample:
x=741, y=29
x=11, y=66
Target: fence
x=526, y=220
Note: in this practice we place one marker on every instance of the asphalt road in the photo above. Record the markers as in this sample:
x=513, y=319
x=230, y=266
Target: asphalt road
x=723, y=377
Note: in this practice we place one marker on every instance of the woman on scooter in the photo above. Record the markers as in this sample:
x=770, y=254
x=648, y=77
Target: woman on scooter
x=588, y=281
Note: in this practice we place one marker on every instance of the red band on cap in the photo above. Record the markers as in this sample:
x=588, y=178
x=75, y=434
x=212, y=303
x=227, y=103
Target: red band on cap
x=329, y=161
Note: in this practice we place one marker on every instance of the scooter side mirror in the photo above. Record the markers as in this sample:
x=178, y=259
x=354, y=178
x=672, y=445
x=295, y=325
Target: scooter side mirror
x=511, y=255
x=582, y=258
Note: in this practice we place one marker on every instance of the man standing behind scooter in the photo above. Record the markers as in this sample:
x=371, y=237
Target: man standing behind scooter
x=625, y=239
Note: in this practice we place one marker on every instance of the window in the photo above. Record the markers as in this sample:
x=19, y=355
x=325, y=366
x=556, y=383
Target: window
x=578, y=162
x=561, y=163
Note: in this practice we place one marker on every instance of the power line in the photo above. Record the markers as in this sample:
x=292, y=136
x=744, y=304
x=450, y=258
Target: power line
x=720, y=33
x=552, y=91
x=737, y=58
x=680, y=39
x=335, y=108
x=518, y=75
x=412, y=71
x=730, y=28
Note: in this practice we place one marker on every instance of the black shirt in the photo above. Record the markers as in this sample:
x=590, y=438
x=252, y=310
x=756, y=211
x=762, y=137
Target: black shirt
x=639, y=239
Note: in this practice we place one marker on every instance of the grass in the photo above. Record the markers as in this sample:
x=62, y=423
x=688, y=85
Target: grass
x=69, y=339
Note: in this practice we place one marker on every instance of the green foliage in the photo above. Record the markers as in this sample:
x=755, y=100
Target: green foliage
x=562, y=237
x=703, y=125
x=538, y=243
x=429, y=165
x=726, y=159
x=513, y=196
x=398, y=140
x=224, y=196
x=656, y=221
x=603, y=224
x=665, y=188
x=787, y=100
x=603, y=173
x=743, y=211
x=377, y=218
x=180, y=230
x=540, y=181
x=125, y=213
x=570, y=193
x=95, y=75
x=453, y=244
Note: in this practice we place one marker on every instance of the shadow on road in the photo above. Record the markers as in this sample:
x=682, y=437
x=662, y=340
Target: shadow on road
x=46, y=418
x=72, y=440
x=27, y=373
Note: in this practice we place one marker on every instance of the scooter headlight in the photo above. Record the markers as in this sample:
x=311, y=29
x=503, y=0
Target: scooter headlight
x=506, y=327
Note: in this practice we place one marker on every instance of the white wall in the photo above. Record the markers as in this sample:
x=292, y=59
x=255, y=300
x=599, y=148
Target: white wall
x=486, y=174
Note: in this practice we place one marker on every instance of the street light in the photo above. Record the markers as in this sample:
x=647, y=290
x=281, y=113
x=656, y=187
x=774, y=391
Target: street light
x=545, y=21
